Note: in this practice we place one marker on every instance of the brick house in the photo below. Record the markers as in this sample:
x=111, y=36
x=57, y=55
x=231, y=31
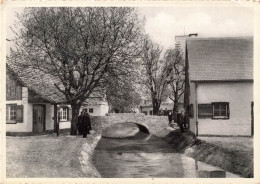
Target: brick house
x=219, y=86
x=33, y=102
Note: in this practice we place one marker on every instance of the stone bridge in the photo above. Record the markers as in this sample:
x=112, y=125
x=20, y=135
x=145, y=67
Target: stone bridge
x=156, y=125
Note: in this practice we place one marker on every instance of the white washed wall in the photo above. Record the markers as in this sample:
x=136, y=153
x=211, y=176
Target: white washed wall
x=239, y=95
x=26, y=126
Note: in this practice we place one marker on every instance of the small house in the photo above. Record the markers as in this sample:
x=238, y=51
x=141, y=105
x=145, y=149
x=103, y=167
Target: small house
x=219, y=86
x=33, y=102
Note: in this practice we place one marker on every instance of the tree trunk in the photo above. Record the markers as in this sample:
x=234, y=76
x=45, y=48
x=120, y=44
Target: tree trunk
x=175, y=106
x=74, y=120
x=175, y=111
x=156, y=107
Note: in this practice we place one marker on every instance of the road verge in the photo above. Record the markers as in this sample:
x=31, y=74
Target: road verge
x=231, y=160
x=86, y=156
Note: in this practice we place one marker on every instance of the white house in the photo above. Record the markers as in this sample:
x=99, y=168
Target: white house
x=33, y=102
x=219, y=86
x=147, y=107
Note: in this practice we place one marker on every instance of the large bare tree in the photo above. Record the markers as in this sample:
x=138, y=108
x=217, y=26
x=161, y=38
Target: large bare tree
x=84, y=48
x=175, y=57
x=156, y=73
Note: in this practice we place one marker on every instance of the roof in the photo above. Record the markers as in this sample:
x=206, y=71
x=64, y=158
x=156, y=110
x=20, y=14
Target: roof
x=220, y=59
x=37, y=81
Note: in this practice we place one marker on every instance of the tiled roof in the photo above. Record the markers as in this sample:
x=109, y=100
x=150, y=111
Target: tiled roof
x=39, y=82
x=36, y=81
x=218, y=59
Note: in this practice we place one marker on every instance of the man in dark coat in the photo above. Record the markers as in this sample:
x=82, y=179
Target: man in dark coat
x=80, y=123
x=88, y=123
x=85, y=124
x=170, y=117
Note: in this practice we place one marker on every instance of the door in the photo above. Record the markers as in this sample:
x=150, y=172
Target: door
x=38, y=118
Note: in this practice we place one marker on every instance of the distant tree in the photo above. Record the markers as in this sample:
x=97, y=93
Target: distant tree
x=177, y=81
x=156, y=73
x=123, y=96
x=82, y=47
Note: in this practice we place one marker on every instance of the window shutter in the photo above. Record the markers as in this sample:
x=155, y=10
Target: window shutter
x=204, y=110
x=228, y=111
x=69, y=114
x=19, y=114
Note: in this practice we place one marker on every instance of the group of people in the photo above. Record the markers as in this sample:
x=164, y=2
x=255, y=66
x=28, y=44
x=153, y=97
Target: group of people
x=179, y=119
x=84, y=124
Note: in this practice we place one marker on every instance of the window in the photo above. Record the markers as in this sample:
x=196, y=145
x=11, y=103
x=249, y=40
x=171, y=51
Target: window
x=145, y=112
x=204, y=111
x=14, y=113
x=151, y=112
x=11, y=113
x=91, y=110
x=63, y=113
x=220, y=110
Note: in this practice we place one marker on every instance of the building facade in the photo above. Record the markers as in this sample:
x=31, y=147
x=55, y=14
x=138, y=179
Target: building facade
x=31, y=108
x=219, y=86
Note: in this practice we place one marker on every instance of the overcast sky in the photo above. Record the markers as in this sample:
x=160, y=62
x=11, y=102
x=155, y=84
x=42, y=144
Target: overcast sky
x=164, y=23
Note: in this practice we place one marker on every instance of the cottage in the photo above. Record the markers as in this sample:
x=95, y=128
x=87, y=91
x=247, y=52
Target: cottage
x=219, y=86
x=33, y=102
x=147, y=107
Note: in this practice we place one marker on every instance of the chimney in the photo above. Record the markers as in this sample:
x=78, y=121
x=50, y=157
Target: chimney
x=193, y=35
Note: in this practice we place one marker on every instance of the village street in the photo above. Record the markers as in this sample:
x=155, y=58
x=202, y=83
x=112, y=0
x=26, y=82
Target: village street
x=129, y=92
x=48, y=156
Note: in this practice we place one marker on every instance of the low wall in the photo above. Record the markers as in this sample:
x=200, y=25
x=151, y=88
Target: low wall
x=237, y=162
x=157, y=125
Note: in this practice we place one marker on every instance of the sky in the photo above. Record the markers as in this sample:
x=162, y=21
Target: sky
x=164, y=23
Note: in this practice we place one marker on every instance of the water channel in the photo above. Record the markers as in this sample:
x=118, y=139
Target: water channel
x=145, y=156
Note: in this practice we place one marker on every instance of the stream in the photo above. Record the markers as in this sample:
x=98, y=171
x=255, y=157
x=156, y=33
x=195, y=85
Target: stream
x=145, y=156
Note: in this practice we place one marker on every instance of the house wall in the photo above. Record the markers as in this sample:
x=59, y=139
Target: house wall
x=239, y=95
x=192, y=100
x=49, y=123
x=26, y=125
x=98, y=110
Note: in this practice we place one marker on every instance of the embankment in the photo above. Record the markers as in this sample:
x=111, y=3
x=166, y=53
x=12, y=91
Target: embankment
x=86, y=156
x=237, y=162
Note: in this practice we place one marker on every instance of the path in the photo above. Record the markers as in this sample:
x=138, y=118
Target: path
x=44, y=156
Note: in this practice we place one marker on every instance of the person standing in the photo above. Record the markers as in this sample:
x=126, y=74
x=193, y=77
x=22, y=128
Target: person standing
x=80, y=122
x=170, y=117
x=85, y=125
x=88, y=123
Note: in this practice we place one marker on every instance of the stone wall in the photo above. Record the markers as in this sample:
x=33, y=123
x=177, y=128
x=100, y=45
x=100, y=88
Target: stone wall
x=156, y=125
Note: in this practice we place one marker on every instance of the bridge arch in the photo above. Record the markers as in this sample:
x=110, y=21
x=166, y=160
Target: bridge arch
x=142, y=127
